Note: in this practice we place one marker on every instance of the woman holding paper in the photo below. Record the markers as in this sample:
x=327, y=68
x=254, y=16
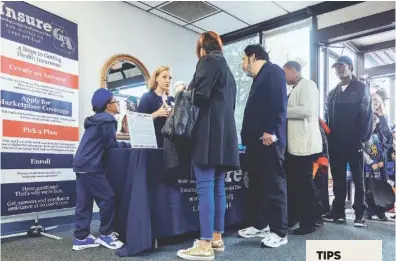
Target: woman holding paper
x=157, y=102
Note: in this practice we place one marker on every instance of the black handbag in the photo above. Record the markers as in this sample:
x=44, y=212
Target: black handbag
x=381, y=192
x=182, y=118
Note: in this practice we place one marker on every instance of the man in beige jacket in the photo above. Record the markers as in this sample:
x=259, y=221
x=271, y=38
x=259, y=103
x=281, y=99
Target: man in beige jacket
x=303, y=142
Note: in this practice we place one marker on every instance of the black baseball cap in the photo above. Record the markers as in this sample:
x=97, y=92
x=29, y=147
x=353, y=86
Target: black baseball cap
x=343, y=60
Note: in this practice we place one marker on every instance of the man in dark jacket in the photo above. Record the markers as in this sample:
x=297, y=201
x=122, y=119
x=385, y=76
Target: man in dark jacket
x=91, y=181
x=349, y=115
x=264, y=135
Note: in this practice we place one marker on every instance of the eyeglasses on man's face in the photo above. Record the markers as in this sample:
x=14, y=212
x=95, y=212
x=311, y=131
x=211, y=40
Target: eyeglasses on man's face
x=117, y=102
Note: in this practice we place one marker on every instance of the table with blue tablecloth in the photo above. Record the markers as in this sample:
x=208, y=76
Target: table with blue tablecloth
x=153, y=203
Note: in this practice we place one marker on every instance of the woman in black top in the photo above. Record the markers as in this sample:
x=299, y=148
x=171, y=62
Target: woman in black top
x=157, y=102
x=214, y=143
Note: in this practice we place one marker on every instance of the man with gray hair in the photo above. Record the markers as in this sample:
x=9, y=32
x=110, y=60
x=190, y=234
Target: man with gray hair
x=304, y=140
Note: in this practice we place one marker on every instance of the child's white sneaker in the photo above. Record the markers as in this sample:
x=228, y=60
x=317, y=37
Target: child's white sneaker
x=110, y=241
x=88, y=242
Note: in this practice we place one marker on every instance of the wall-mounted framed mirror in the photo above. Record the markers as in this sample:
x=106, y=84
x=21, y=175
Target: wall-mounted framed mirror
x=127, y=77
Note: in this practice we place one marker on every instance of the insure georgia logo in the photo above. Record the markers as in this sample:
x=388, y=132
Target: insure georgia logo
x=61, y=40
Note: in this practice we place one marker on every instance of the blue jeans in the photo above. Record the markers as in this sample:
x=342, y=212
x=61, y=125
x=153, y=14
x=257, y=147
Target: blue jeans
x=212, y=200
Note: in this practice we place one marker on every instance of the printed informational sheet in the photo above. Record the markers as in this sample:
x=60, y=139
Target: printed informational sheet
x=141, y=130
x=39, y=109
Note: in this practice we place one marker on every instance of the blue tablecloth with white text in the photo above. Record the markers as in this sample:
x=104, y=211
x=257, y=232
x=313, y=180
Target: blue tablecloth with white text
x=152, y=203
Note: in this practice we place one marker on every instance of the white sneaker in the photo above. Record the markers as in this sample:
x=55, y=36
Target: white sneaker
x=273, y=240
x=252, y=232
x=110, y=241
x=88, y=242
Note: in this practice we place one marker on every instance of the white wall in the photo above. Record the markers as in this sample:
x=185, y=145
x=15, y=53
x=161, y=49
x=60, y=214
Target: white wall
x=109, y=28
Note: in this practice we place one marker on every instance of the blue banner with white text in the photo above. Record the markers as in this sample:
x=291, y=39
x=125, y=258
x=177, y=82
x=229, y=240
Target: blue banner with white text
x=32, y=26
x=39, y=104
x=21, y=101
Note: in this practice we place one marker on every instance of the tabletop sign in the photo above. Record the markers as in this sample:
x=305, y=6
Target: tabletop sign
x=141, y=130
x=343, y=250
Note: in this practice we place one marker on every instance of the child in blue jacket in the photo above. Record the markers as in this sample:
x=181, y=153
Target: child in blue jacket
x=91, y=181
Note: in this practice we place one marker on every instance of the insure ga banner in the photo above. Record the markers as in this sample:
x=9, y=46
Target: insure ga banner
x=39, y=109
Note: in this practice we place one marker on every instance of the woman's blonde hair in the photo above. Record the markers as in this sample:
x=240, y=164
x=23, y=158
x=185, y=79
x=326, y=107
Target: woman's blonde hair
x=152, y=83
x=381, y=107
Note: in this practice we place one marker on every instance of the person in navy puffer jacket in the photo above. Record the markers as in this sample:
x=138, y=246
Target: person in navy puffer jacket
x=91, y=181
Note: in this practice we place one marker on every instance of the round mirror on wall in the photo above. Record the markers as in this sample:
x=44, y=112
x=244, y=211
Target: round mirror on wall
x=127, y=78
